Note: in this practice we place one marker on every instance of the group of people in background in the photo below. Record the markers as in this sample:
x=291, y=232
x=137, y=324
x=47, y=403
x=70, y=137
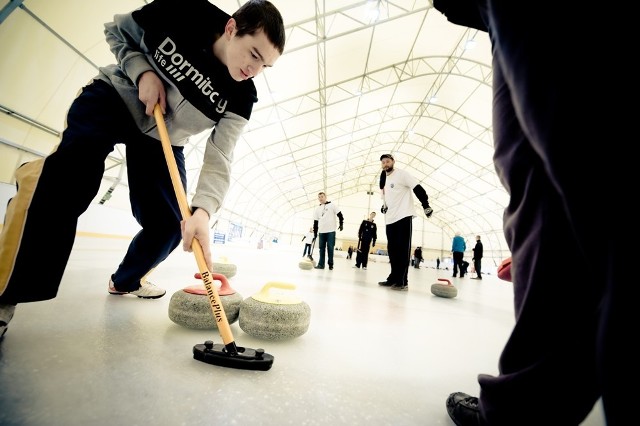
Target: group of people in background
x=397, y=188
x=367, y=235
x=458, y=247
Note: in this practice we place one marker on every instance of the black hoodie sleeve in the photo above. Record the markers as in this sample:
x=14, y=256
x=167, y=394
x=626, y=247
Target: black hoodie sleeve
x=422, y=195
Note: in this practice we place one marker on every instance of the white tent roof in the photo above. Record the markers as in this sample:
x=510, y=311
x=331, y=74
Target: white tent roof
x=348, y=88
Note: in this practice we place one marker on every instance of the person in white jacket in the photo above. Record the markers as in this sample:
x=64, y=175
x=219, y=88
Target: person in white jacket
x=324, y=225
x=398, y=188
x=309, y=238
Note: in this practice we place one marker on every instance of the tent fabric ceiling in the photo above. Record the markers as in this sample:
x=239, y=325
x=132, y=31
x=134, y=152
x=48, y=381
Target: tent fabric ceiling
x=357, y=79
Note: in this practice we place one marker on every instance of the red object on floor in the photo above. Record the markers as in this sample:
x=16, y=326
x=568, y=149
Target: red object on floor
x=504, y=270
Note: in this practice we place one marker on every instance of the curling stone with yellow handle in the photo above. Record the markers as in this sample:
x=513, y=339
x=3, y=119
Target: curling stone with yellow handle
x=305, y=263
x=274, y=315
x=190, y=307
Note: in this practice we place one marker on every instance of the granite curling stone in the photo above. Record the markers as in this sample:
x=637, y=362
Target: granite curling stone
x=191, y=308
x=274, y=315
x=444, y=290
x=305, y=263
x=221, y=266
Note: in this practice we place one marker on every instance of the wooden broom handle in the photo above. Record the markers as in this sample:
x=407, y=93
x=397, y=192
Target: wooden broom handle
x=207, y=278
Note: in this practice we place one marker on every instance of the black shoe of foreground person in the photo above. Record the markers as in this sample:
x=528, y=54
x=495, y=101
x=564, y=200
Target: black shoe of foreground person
x=399, y=287
x=6, y=313
x=463, y=409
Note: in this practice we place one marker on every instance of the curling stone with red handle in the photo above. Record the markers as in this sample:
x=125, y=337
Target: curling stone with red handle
x=444, y=290
x=190, y=307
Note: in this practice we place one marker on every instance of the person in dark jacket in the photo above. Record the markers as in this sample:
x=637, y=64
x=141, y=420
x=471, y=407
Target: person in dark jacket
x=367, y=236
x=417, y=255
x=477, y=258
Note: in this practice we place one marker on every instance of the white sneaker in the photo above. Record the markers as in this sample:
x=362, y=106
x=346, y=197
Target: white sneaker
x=146, y=290
x=364, y=268
x=6, y=313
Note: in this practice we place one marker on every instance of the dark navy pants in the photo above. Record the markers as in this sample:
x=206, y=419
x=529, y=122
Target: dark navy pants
x=327, y=242
x=53, y=192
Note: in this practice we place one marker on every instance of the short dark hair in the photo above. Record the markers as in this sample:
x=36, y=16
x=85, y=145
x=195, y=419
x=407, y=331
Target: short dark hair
x=383, y=156
x=257, y=15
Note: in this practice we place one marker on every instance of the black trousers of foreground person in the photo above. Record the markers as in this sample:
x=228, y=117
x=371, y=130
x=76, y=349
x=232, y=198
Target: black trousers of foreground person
x=567, y=348
x=41, y=220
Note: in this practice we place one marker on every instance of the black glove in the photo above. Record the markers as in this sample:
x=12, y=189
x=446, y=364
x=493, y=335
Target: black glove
x=384, y=209
x=374, y=244
x=340, y=227
x=428, y=211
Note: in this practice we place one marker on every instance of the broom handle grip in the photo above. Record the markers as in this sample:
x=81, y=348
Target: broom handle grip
x=207, y=278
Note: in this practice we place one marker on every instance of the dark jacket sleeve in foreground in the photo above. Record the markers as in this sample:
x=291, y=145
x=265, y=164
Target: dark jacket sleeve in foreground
x=461, y=12
x=340, y=218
